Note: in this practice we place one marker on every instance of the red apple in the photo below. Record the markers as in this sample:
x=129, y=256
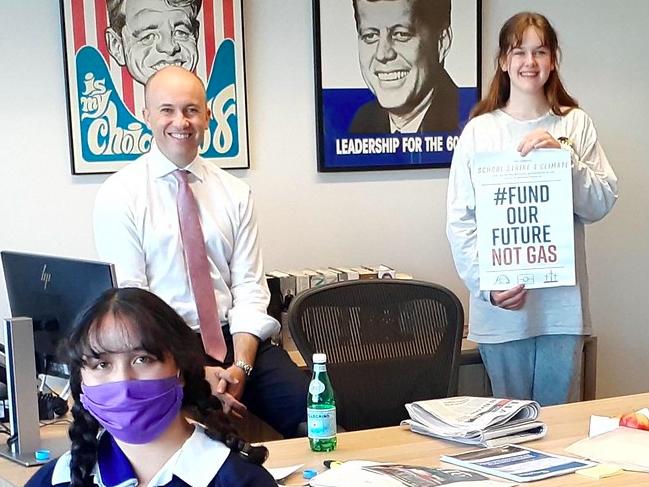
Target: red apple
x=635, y=420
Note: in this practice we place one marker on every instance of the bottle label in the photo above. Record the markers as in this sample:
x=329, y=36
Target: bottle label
x=316, y=387
x=321, y=423
x=319, y=368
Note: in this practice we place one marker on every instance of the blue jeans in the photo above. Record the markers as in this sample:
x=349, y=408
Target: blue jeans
x=545, y=368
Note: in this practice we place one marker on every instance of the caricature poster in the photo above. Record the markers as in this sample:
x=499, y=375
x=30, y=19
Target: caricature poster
x=111, y=48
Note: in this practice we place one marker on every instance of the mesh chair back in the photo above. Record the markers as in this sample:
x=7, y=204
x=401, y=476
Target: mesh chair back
x=388, y=342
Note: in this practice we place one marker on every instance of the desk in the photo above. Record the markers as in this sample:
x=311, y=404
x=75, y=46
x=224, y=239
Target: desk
x=566, y=424
x=13, y=474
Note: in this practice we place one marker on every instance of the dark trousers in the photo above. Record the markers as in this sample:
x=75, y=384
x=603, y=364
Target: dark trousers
x=277, y=389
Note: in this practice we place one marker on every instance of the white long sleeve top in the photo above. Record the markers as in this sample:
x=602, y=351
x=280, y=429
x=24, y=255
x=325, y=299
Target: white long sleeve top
x=560, y=310
x=136, y=228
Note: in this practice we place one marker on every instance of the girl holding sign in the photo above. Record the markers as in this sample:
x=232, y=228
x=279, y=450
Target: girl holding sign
x=530, y=339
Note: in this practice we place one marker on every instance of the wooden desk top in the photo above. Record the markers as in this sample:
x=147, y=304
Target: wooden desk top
x=14, y=475
x=566, y=424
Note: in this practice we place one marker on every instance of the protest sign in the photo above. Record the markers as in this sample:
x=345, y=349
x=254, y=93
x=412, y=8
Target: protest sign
x=525, y=219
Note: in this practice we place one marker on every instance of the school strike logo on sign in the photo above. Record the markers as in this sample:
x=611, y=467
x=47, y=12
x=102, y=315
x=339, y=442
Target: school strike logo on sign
x=525, y=219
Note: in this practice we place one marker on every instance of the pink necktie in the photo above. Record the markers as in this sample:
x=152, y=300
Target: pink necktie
x=198, y=267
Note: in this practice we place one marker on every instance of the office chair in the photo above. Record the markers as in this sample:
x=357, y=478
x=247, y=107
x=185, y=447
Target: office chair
x=388, y=342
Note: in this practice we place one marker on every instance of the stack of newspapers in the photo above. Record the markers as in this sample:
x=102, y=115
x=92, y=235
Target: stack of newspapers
x=477, y=420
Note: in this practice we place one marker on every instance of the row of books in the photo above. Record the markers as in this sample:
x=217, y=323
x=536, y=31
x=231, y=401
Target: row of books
x=285, y=285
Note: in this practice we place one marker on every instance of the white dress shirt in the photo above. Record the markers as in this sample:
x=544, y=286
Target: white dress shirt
x=136, y=228
x=548, y=311
x=196, y=463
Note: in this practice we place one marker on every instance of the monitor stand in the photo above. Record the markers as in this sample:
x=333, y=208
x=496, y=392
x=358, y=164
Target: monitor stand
x=23, y=397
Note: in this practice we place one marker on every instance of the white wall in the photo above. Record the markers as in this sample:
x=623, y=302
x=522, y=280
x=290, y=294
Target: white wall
x=312, y=219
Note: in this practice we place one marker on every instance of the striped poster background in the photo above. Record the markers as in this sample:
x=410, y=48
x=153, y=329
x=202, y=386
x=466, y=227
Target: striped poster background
x=85, y=25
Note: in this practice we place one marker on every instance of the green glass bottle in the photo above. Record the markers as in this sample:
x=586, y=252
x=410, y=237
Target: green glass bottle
x=321, y=407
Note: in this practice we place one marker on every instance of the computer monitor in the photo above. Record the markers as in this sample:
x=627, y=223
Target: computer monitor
x=52, y=291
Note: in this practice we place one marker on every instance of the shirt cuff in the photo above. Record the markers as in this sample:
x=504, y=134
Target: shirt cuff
x=253, y=321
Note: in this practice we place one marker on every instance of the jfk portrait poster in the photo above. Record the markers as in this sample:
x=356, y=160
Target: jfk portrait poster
x=112, y=47
x=395, y=81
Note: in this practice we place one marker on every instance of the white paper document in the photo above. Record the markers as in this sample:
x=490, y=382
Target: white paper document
x=524, y=216
x=359, y=473
x=626, y=447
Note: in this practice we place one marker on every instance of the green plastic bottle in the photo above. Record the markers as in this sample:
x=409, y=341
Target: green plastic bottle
x=321, y=407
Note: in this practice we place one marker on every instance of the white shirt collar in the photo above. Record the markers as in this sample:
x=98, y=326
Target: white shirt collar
x=405, y=126
x=161, y=166
x=196, y=463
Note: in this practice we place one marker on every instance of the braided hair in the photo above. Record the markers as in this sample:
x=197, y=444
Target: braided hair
x=159, y=330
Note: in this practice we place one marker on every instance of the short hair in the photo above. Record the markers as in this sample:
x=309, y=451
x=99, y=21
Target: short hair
x=117, y=18
x=434, y=14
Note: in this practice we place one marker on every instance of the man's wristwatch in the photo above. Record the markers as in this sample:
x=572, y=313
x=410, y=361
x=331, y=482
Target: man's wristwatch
x=247, y=368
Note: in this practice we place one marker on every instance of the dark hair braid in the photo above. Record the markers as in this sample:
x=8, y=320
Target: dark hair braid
x=205, y=408
x=161, y=331
x=83, y=435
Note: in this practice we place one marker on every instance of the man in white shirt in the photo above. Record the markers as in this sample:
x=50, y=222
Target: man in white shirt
x=137, y=228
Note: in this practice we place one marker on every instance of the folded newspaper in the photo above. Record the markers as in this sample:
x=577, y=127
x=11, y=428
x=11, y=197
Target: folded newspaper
x=477, y=420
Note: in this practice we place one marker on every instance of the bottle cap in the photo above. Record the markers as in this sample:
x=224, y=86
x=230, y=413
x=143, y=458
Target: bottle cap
x=42, y=455
x=319, y=358
x=309, y=473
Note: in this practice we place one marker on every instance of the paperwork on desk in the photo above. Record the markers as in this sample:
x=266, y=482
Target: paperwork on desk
x=517, y=463
x=280, y=473
x=610, y=443
x=477, y=420
x=361, y=473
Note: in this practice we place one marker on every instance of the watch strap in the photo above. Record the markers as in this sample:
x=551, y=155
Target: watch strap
x=246, y=367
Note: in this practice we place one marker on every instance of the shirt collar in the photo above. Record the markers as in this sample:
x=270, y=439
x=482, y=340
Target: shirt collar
x=111, y=470
x=197, y=462
x=114, y=470
x=411, y=122
x=161, y=166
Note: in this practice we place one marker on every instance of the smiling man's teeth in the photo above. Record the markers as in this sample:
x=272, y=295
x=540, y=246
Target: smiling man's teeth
x=164, y=64
x=392, y=75
x=180, y=136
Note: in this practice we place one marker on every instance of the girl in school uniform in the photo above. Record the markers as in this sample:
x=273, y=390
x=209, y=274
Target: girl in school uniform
x=136, y=374
x=530, y=340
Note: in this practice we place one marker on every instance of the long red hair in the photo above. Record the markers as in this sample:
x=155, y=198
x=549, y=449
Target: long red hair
x=511, y=36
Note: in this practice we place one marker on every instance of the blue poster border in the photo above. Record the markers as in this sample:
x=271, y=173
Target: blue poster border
x=385, y=151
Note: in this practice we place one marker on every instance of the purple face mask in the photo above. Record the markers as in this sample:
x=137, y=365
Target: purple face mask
x=134, y=411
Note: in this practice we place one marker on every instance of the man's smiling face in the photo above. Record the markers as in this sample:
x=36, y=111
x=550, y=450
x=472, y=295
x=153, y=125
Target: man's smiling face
x=397, y=55
x=177, y=114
